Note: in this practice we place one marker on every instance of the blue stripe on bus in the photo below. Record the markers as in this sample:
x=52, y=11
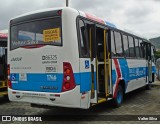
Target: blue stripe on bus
x=124, y=69
x=85, y=82
x=110, y=24
x=114, y=76
x=36, y=80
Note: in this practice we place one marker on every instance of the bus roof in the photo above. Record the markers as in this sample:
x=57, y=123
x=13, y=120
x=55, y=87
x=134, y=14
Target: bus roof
x=39, y=11
x=86, y=15
x=97, y=19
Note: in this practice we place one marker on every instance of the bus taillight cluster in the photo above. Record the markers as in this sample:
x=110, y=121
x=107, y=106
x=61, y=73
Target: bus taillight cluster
x=8, y=72
x=68, y=77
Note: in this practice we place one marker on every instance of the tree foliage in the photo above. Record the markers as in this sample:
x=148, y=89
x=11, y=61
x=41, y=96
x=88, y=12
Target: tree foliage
x=157, y=54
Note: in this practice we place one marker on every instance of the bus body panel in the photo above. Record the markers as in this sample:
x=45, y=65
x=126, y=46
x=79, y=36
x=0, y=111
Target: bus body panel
x=132, y=71
x=137, y=74
x=85, y=74
x=31, y=73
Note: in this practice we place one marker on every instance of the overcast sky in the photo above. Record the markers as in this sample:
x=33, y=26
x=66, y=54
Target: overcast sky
x=139, y=16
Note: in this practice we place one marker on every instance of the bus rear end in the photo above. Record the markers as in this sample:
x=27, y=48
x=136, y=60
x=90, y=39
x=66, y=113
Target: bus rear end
x=43, y=59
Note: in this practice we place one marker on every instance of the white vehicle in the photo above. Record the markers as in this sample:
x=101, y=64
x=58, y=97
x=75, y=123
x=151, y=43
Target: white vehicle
x=65, y=57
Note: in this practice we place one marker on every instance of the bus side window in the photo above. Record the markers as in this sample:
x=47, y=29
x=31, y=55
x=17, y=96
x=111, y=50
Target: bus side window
x=131, y=47
x=118, y=42
x=113, y=53
x=84, y=49
x=126, y=45
x=137, y=48
x=152, y=54
x=141, y=49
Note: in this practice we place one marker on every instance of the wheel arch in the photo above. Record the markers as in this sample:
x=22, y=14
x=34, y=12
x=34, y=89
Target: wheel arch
x=122, y=83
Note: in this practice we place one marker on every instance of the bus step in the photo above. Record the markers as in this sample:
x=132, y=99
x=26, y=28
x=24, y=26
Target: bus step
x=101, y=100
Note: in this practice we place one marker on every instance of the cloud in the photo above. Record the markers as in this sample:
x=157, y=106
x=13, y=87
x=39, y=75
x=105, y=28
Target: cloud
x=13, y=8
x=140, y=16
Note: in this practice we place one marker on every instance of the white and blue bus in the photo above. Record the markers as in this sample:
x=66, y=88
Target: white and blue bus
x=68, y=58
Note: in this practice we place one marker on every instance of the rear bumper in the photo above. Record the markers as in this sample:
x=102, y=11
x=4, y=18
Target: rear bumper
x=65, y=99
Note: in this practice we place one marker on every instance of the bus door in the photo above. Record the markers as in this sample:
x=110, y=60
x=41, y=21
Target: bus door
x=147, y=54
x=93, y=57
x=99, y=64
x=149, y=61
x=104, y=66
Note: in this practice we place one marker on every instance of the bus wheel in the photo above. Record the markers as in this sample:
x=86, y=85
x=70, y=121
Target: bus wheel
x=119, y=97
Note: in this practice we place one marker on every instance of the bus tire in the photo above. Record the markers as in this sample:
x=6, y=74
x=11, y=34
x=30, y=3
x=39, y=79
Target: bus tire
x=117, y=101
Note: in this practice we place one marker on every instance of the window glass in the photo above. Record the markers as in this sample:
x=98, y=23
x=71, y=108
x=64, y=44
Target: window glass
x=137, y=47
x=84, y=49
x=37, y=32
x=141, y=49
x=131, y=47
x=118, y=43
x=125, y=45
x=113, y=53
x=152, y=54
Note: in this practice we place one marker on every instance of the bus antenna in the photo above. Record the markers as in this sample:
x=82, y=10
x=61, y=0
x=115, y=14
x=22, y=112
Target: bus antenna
x=67, y=3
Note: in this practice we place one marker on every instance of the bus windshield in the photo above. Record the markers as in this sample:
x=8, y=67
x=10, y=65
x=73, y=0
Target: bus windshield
x=36, y=32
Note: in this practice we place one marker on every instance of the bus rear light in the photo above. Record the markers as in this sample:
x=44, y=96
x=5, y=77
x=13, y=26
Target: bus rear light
x=57, y=95
x=8, y=70
x=9, y=84
x=68, y=77
x=67, y=85
x=13, y=92
x=59, y=12
x=68, y=71
x=33, y=46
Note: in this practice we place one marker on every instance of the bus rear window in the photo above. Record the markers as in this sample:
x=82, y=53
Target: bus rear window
x=39, y=32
